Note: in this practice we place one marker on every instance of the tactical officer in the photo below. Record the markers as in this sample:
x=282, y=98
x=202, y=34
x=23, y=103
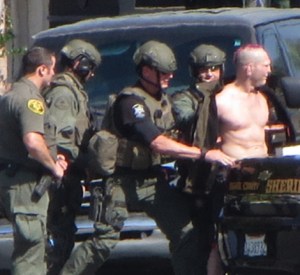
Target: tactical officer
x=68, y=106
x=196, y=117
x=143, y=118
x=24, y=157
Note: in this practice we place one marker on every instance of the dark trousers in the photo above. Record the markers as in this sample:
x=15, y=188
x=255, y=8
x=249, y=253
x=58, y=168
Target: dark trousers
x=188, y=228
x=65, y=203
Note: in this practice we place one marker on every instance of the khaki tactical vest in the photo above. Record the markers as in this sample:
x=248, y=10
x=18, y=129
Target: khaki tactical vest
x=195, y=174
x=135, y=155
x=69, y=137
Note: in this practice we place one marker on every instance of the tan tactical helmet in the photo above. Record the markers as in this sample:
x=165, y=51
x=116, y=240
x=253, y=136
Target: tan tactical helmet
x=157, y=55
x=207, y=55
x=77, y=47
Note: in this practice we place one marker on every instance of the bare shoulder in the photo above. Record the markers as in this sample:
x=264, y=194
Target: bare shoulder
x=227, y=92
x=262, y=96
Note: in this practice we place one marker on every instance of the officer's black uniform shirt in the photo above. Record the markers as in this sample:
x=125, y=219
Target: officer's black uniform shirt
x=133, y=119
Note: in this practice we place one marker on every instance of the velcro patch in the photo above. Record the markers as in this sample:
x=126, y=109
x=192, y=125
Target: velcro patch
x=36, y=106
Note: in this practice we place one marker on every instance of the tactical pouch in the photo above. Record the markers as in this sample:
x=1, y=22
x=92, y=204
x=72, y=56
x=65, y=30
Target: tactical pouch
x=115, y=211
x=133, y=155
x=102, y=152
x=97, y=199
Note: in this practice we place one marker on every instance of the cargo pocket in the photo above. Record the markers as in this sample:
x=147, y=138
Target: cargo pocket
x=28, y=228
x=115, y=205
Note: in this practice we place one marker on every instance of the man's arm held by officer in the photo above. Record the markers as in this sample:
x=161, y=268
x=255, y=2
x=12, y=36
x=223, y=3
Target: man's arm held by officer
x=147, y=132
x=165, y=145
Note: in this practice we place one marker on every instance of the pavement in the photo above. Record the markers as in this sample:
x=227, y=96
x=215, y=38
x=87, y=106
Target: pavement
x=143, y=249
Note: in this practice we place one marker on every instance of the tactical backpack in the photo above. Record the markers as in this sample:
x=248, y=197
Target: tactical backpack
x=103, y=145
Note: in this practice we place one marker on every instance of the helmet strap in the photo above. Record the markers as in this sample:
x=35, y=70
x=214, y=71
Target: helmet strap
x=156, y=85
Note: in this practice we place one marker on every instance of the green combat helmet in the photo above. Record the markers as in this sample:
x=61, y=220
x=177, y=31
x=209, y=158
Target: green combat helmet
x=77, y=47
x=157, y=55
x=206, y=56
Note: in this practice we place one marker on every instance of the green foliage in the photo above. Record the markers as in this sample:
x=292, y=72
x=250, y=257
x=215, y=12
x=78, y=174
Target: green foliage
x=7, y=36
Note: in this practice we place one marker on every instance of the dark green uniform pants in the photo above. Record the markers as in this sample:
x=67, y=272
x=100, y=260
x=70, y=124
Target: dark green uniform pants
x=172, y=212
x=64, y=205
x=28, y=219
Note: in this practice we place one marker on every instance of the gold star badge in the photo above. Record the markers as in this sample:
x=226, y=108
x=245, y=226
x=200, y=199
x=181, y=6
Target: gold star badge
x=36, y=106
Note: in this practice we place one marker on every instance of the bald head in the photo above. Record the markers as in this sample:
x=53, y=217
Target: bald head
x=253, y=65
x=250, y=53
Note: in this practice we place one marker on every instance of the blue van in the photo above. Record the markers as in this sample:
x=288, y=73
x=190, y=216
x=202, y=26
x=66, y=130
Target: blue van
x=278, y=30
x=261, y=216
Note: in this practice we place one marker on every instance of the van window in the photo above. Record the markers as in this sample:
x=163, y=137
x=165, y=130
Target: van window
x=272, y=46
x=118, y=70
x=290, y=34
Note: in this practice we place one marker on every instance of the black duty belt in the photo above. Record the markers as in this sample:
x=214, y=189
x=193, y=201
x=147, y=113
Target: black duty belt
x=10, y=168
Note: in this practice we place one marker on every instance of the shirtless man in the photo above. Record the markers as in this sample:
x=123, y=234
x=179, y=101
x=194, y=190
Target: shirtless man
x=242, y=109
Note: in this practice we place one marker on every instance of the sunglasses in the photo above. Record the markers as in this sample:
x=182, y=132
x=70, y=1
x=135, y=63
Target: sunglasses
x=209, y=68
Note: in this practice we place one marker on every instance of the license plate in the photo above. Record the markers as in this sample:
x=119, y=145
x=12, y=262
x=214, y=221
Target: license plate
x=255, y=245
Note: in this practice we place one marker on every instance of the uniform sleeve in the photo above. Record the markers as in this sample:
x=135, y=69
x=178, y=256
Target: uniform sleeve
x=62, y=107
x=31, y=113
x=183, y=109
x=135, y=121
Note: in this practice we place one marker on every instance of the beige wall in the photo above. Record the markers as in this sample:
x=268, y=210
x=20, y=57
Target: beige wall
x=28, y=17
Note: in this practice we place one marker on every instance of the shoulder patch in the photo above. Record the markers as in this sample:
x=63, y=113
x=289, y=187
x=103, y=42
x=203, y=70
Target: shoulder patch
x=36, y=106
x=138, y=110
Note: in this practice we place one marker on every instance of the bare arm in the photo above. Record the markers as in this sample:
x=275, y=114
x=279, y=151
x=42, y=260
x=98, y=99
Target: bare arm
x=37, y=148
x=165, y=145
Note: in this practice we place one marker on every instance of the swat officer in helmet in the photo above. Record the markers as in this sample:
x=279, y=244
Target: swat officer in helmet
x=67, y=101
x=143, y=118
x=196, y=118
x=207, y=64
